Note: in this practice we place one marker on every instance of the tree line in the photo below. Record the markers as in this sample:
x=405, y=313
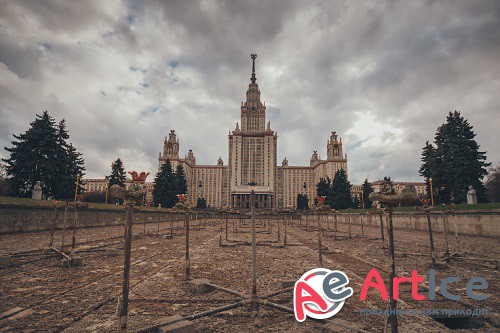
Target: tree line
x=44, y=154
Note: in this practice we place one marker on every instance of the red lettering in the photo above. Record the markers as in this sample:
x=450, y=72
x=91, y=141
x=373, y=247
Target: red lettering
x=300, y=299
x=415, y=280
x=377, y=284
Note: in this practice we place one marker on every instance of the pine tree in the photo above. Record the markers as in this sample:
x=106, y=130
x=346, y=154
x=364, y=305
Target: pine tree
x=341, y=191
x=323, y=188
x=366, y=188
x=70, y=165
x=180, y=180
x=201, y=203
x=427, y=170
x=456, y=162
x=117, y=176
x=43, y=154
x=164, y=190
x=302, y=201
x=492, y=184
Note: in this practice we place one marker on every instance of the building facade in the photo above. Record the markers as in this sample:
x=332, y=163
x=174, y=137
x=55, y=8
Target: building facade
x=252, y=163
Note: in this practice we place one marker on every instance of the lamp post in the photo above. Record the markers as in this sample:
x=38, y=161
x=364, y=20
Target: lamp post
x=432, y=192
x=107, y=188
x=76, y=185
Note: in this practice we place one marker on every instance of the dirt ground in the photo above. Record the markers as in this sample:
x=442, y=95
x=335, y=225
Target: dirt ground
x=38, y=295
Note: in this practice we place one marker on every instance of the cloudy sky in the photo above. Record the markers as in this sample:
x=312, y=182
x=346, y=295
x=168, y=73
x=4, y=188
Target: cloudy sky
x=123, y=73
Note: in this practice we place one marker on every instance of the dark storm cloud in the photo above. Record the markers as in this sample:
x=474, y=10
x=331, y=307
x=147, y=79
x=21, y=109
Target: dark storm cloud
x=381, y=74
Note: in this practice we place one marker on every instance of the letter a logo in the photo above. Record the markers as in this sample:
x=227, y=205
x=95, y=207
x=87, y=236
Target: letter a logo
x=320, y=293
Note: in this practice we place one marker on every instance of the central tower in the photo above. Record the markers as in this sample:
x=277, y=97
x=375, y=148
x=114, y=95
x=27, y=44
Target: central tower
x=252, y=153
x=253, y=112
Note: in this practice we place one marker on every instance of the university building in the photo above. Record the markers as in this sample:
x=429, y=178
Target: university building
x=252, y=163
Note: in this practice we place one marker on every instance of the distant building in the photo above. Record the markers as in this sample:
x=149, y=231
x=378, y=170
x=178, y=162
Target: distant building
x=252, y=164
x=399, y=186
x=99, y=185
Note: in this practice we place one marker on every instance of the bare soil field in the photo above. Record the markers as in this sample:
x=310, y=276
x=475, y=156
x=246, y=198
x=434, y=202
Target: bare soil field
x=38, y=295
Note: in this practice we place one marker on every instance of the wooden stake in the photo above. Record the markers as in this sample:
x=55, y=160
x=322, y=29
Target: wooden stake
x=431, y=239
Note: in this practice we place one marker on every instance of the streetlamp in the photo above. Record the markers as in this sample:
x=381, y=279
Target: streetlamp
x=432, y=192
x=76, y=185
x=107, y=188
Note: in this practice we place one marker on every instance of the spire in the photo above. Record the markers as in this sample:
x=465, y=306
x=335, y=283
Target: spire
x=253, y=56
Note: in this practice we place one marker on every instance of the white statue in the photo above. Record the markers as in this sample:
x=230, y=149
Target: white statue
x=37, y=191
x=471, y=196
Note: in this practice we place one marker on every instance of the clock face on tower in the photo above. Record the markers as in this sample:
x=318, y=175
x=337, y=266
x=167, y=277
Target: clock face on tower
x=336, y=145
x=170, y=144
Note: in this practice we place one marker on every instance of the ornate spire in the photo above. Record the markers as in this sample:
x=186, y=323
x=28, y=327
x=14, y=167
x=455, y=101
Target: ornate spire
x=253, y=78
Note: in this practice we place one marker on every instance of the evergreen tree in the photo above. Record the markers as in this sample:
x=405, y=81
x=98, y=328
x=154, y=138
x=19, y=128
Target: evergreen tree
x=456, y=162
x=341, y=191
x=201, y=203
x=323, y=188
x=43, y=154
x=70, y=165
x=117, y=176
x=427, y=170
x=492, y=184
x=302, y=201
x=164, y=190
x=367, y=189
x=180, y=180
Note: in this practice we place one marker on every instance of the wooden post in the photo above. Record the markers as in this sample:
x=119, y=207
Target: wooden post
x=393, y=319
x=349, y=222
x=456, y=232
x=254, y=245
x=65, y=219
x=320, y=246
x=445, y=228
x=54, y=225
x=362, y=229
x=335, y=225
x=188, y=259
x=382, y=229
x=279, y=230
x=220, y=236
x=285, y=224
x=73, y=239
x=123, y=307
x=431, y=239
x=226, y=226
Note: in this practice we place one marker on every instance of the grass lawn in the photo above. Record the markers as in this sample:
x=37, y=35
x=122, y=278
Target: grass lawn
x=49, y=203
x=479, y=207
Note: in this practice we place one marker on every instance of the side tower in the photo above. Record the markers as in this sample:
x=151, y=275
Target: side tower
x=252, y=153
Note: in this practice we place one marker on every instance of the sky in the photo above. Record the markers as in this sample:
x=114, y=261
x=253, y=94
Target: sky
x=382, y=74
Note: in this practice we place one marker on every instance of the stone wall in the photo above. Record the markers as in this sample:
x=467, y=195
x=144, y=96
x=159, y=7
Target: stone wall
x=23, y=219
x=462, y=222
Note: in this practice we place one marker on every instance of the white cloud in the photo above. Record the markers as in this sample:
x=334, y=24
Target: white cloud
x=123, y=73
